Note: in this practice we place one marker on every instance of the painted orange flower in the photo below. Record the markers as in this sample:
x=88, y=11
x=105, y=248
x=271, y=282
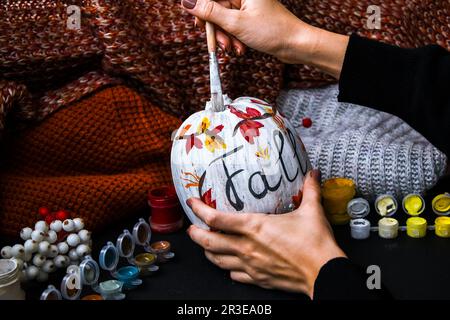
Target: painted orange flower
x=212, y=139
x=263, y=153
x=192, y=179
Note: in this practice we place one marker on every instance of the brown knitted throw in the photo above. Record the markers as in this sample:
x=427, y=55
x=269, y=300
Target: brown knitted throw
x=100, y=156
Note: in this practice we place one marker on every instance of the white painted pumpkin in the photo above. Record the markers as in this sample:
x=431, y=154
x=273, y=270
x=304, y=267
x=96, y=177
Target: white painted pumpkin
x=246, y=158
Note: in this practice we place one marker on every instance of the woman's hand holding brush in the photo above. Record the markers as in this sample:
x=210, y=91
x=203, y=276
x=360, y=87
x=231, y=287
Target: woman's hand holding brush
x=267, y=26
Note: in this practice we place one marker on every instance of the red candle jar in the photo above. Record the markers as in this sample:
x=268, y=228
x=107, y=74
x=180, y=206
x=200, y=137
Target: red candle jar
x=166, y=213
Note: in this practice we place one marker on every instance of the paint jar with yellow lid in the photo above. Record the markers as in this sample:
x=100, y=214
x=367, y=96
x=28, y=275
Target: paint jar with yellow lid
x=441, y=204
x=442, y=227
x=386, y=205
x=388, y=228
x=413, y=204
x=336, y=194
x=416, y=227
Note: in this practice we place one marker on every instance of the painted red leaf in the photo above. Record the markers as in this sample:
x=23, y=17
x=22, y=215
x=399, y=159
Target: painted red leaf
x=217, y=129
x=207, y=199
x=251, y=113
x=250, y=129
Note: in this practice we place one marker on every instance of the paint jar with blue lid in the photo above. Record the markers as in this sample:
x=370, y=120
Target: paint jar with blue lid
x=109, y=259
x=358, y=209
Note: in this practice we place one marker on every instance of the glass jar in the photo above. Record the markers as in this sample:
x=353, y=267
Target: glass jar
x=10, y=281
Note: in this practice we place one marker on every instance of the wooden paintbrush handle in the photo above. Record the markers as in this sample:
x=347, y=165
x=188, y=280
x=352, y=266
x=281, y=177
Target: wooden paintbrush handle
x=211, y=37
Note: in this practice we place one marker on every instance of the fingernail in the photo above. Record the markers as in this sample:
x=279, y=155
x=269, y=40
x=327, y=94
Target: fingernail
x=315, y=174
x=237, y=50
x=189, y=4
x=189, y=202
x=221, y=45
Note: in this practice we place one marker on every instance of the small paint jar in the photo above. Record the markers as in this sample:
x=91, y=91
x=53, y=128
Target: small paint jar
x=162, y=250
x=146, y=263
x=386, y=205
x=10, y=280
x=360, y=229
x=51, y=293
x=166, y=214
x=416, y=227
x=71, y=284
x=111, y=290
x=441, y=204
x=336, y=194
x=109, y=259
x=413, y=204
x=388, y=228
x=442, y=227
x=358, y=208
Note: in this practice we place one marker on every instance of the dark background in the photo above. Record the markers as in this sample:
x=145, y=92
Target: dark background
x=410, y=268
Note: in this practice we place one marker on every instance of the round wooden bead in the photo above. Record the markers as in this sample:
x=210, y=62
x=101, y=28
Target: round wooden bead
x=63, y=247
x=25, y=233
x=51, y=236
x=41, y=226
x=68, y=225
x=38, y=260
x=31, y=272
x=53, y=252
x=6, y=252
x=83, y=250
x=73, y=240
x=42, y=276
x=56, y=225
x=18, y=251
x=84, y=235
x=79, y=224
x=44, y=247
x=37, y=235
x=48, y=266
x=73, y=255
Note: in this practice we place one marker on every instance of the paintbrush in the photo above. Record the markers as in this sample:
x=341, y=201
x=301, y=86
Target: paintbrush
x=214, y=78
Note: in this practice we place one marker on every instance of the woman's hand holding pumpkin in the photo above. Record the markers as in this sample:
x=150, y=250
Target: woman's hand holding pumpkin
x=273, y=251
x=267, y=26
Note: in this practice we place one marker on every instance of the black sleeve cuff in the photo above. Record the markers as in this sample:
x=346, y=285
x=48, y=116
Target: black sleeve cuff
x=340, y=279
x=376, y=75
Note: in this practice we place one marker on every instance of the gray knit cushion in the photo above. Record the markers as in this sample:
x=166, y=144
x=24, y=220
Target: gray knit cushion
x=379, y=151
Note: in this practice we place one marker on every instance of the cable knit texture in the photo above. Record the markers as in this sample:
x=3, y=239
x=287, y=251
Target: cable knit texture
x=379, y=151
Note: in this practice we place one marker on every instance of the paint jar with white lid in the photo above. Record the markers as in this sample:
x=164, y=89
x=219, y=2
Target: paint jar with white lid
x=10, y=281
x=388, y=228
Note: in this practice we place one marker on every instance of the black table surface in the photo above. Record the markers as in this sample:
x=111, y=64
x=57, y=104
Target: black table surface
x=410, y=268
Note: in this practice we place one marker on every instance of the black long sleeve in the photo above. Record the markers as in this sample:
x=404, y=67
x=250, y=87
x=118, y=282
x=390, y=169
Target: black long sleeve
x=413, y=84
x=340, y=279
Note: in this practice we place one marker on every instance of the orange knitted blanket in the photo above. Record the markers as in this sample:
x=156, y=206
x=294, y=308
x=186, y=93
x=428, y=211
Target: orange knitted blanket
x=98, y=159
x=102, y=151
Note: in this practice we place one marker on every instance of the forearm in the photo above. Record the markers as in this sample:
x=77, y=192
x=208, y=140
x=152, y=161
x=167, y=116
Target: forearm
x=322, y=49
